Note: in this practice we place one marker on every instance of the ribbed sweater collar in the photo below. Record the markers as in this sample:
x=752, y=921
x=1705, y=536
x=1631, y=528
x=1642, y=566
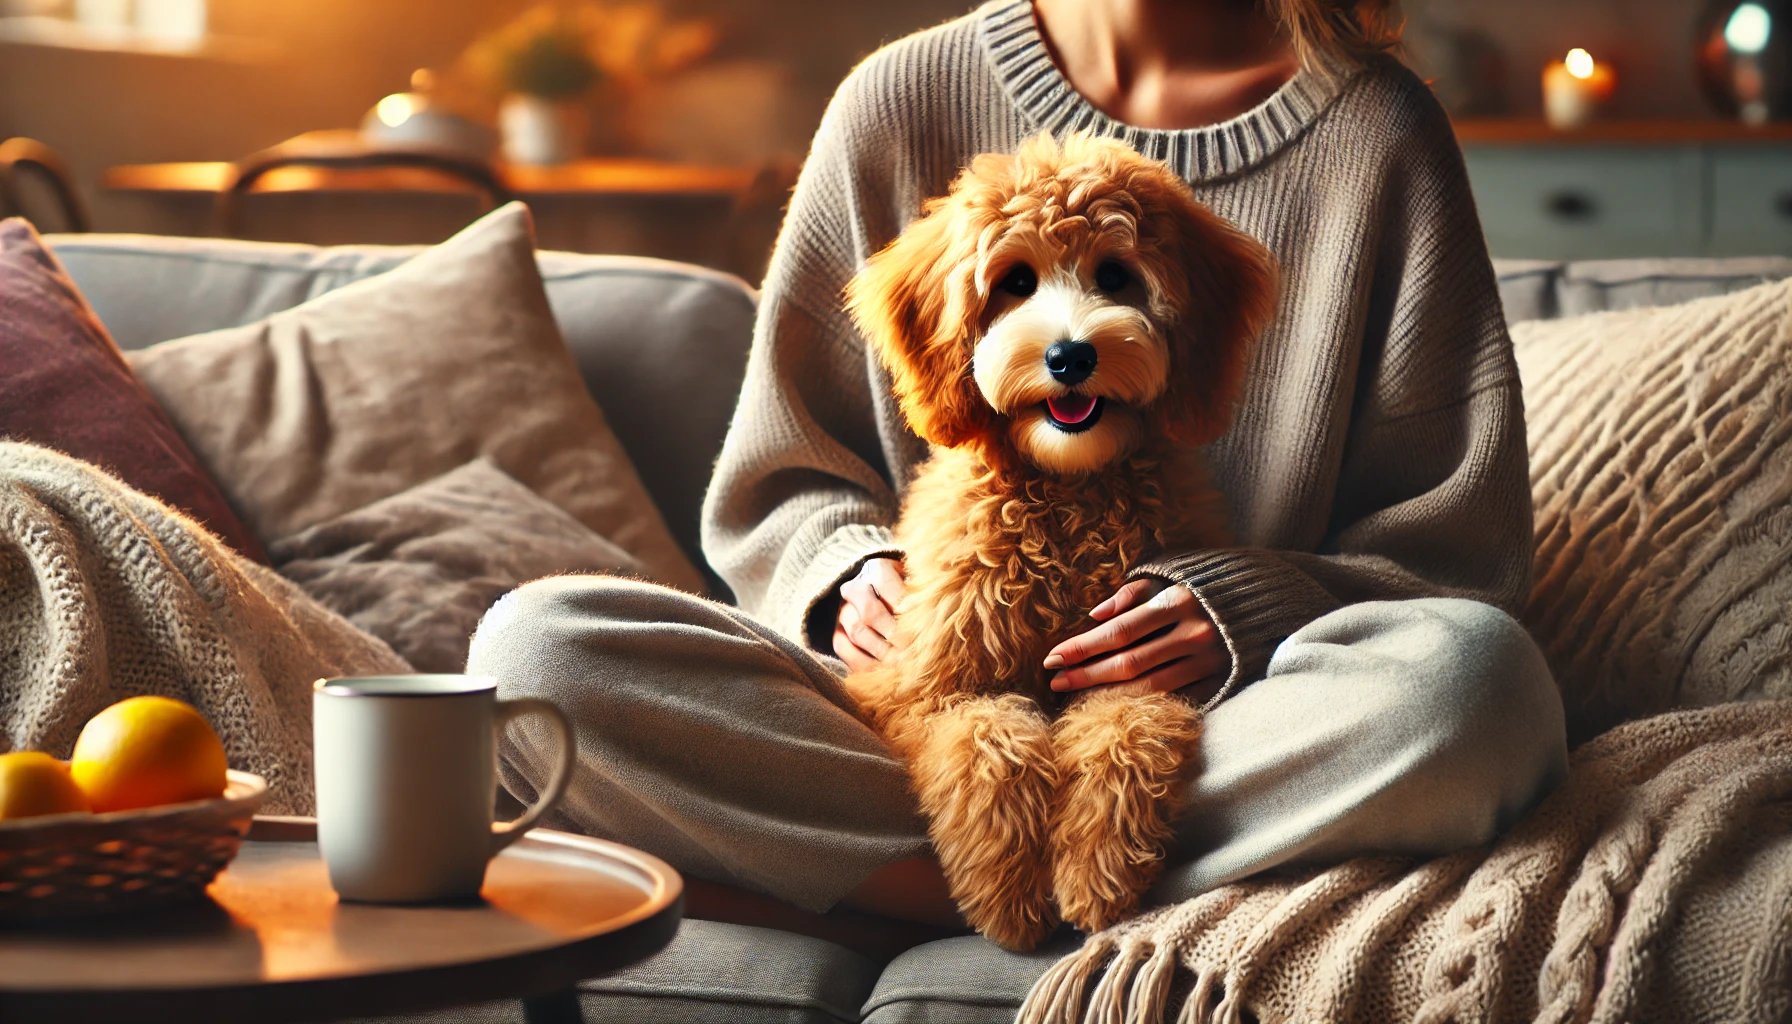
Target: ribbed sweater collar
x=1033, y=83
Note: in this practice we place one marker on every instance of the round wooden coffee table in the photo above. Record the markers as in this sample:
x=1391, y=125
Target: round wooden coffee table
x=276, y=945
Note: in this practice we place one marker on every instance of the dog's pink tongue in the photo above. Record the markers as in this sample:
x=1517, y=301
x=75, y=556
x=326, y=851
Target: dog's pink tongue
x=1071, y=408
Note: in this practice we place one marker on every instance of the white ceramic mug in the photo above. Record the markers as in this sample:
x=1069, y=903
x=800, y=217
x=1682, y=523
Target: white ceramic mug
x=406, y=776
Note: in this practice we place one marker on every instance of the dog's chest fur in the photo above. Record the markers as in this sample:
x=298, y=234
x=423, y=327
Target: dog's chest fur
x=1010, y=562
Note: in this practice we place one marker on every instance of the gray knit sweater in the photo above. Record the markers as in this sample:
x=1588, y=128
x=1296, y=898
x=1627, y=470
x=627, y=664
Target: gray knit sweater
x=1379, y=448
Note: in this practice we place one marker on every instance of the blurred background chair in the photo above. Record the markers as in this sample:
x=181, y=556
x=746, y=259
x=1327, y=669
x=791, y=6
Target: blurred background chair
x=30, y=171
x=330, y=152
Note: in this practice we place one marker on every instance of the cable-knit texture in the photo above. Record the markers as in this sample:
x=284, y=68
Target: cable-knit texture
x=1378, y=450
x=106, y=593
x=1661, y=461
x=1651, y=887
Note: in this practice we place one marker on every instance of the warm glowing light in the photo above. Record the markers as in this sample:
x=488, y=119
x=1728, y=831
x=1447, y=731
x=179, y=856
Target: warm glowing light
x=395, y=109
x=1574, y=88
x=1748, y=29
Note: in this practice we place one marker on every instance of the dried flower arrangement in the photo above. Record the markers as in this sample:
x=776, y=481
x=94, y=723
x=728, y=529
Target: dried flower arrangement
x=562, y=50
x=563, y=68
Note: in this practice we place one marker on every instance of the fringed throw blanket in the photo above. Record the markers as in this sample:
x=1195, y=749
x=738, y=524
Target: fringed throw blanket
x=1654, y=885
x=106, y=593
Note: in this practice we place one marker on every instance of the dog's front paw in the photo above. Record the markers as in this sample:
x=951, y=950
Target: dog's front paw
x=985, y=775
x=1120, y=758
x=1019, y=921
x=1098, y=885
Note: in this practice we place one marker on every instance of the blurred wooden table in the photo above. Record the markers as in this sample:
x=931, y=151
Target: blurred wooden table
x=274, y=944
x=722, y=217
x=590, y=177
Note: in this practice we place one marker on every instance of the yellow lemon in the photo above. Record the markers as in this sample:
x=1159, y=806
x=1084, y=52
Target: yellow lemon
x=147, y=751
x=32, y=783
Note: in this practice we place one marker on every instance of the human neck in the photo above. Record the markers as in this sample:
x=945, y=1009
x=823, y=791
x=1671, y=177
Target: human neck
x=1167, y=63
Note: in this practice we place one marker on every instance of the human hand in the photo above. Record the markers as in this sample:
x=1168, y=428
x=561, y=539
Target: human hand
x=1154, y=637
x=866, y=624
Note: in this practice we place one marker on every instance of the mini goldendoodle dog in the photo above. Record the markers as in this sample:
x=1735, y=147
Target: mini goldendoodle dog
x=1066, y=326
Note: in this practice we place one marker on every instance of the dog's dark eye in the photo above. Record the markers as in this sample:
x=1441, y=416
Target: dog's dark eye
x=1020, y=280
x=1111, y=277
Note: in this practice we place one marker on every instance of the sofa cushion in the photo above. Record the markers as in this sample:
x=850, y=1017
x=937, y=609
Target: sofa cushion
x=711, y=973
x=661, y=345
x=1547, y=289
x=65, y=385
x=367, y=390
x=967, y=980
x=1527, y=288
x=418, y=569
x=1661, y=466
x=733, y=972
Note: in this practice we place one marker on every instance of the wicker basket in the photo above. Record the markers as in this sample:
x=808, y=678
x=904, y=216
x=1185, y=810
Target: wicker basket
x=82, y=865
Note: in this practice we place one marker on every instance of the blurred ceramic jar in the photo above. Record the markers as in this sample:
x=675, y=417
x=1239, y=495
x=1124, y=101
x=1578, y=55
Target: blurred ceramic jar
x=542, y=130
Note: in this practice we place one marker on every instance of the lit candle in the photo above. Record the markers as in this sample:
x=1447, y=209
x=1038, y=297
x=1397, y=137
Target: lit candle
x=1574, y=88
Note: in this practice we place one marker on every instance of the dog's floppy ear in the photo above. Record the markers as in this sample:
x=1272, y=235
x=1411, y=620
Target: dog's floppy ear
x=915, y=304
x=1230, y=297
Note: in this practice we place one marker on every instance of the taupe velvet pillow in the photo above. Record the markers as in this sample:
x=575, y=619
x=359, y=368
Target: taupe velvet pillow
x=1661, y=467
x=419, y=568
x=383, y=384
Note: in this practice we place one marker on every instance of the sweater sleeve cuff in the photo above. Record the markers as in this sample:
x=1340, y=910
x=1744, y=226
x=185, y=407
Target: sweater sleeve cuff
x=817, y=588
x=1255, y=599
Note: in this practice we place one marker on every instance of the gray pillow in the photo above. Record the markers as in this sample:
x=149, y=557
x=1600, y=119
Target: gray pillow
x=390, y=381
x=419, y=568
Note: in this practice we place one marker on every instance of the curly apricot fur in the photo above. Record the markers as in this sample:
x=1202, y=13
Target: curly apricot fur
x=1006, y=553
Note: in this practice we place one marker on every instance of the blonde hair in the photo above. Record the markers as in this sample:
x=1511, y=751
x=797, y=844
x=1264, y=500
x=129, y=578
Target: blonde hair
x=1328, y=34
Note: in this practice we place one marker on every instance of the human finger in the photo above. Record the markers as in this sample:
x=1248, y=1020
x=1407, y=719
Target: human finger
x=887, y=577
x=861, y=634
x=1129, y=596
x=1124, y=629
x=857, y=594
x=1168, y=678
x=849, y=652
x=1193, y=637
x=875, y=591
x=885, y=590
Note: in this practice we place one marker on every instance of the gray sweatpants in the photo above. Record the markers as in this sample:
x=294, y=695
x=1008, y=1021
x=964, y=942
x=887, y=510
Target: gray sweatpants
x=710, y=741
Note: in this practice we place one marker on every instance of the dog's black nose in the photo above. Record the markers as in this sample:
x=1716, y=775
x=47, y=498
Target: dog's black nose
x=1070, y=362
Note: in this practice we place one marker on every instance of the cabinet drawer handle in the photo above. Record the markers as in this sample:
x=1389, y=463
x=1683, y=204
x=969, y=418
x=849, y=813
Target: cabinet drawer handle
x=1782, y=204
x=1570, y=205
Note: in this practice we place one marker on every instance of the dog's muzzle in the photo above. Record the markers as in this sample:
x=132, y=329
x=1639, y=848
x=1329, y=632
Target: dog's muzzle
x=1070, y=363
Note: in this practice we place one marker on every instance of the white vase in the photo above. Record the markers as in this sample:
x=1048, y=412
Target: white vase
x=104, y=15
x=542, y=131
x=174, y=20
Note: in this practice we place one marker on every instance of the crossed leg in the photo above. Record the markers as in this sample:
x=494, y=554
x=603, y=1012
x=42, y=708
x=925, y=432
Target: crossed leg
x=1119, y=758
x=710, y=740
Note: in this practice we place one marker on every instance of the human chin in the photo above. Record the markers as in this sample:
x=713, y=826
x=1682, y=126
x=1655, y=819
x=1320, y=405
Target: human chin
x=1107, y=433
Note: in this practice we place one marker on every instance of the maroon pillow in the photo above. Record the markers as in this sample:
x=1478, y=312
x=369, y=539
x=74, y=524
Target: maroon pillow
x=65, y=385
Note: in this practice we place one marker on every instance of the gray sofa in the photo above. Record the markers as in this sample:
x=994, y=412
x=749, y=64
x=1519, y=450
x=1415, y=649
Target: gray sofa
x=662, y=347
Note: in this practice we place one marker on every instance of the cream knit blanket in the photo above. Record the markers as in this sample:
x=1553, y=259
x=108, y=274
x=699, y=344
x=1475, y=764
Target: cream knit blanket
x=1655, y=884
x=106, y=594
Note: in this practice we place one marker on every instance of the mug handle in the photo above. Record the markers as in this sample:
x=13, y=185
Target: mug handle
x=506, y=832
